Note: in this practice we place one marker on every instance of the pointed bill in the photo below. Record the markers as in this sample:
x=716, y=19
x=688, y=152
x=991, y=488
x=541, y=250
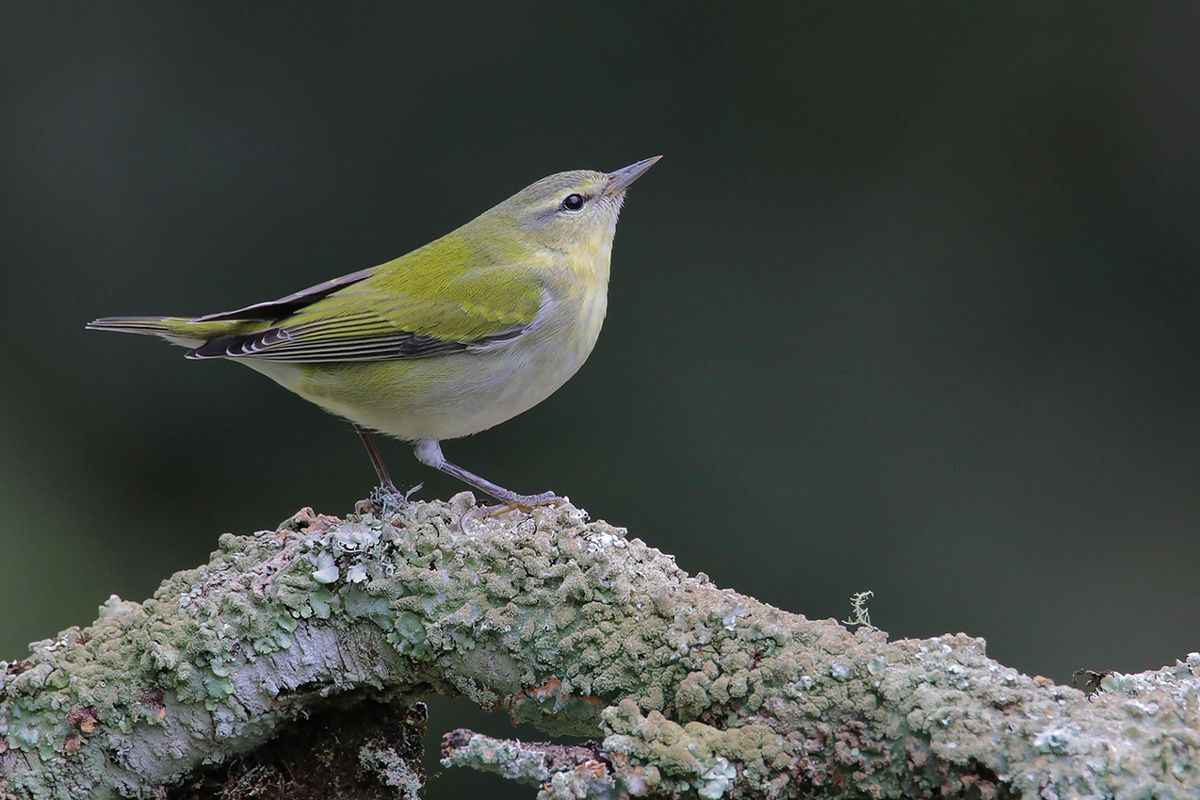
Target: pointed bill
x=619, y=180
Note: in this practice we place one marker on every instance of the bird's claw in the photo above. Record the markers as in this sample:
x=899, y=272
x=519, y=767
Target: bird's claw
x=523, y=503
x=529, y=502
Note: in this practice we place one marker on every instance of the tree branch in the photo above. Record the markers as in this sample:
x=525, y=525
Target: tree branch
x=691, y=690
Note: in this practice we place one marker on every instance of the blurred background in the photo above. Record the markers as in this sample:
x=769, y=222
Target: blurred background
x=910, y=305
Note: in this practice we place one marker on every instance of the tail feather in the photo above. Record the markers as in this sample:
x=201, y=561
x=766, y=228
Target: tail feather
x=173, y=329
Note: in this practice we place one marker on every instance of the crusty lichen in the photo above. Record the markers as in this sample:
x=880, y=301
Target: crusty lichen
x=562, y=772
x=693, y=690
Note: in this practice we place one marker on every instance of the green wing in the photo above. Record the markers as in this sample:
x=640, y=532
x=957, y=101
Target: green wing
x=428, y=303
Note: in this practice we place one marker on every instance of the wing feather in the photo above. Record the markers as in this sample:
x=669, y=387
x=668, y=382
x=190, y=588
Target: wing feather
x=384, y=317
x=284, y=306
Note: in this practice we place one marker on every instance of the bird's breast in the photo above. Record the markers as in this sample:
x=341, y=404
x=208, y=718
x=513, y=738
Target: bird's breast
x=563, y=335
x=454, y=395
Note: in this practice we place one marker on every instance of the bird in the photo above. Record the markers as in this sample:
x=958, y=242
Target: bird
x=446, y=341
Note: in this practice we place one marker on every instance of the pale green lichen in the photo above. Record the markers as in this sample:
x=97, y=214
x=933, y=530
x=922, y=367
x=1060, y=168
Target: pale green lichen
x=506, y=758
x=696, y=691
x=859, y=613
x=395, y=771
x=694, y=756
x=561, y=772
x=1059, y=739
x=326, y=570
x=717, y=780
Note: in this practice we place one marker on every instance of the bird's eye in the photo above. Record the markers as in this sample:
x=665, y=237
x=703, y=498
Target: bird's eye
x=573, y=202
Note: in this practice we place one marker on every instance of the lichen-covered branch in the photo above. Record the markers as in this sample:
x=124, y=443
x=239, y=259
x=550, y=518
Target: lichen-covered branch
x=688, y=689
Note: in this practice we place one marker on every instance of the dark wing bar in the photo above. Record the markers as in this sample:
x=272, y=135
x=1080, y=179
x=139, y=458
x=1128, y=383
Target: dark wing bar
x=285, y=306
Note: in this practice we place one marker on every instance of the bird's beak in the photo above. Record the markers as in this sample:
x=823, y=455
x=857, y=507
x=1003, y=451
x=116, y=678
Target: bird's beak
x=619, y=181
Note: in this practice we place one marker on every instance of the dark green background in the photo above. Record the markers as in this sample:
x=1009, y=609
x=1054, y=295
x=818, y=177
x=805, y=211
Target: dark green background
x=910, y=305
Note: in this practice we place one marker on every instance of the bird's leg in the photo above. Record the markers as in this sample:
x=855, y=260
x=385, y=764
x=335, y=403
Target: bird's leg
x=385, y=480
x=429, y=453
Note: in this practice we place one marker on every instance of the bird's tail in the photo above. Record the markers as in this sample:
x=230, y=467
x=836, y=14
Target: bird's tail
x=176, y=330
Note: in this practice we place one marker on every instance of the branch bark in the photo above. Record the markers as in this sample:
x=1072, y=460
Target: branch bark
x=689, y=690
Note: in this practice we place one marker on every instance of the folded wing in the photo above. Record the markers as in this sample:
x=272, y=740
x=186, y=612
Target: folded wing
x=385, y=315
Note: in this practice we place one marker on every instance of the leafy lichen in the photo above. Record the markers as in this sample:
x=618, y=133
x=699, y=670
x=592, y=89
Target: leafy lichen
x=577, y=628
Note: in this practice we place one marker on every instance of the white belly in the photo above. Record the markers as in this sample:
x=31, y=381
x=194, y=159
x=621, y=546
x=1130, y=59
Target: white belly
x=455, y=395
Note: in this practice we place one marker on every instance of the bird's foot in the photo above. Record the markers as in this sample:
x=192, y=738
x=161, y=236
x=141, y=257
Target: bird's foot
x=528, y=502
x=524, y=503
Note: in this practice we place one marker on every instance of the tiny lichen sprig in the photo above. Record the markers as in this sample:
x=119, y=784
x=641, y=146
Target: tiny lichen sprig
x=859, y=613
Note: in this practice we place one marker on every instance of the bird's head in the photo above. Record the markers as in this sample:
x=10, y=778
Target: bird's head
x=571, y=212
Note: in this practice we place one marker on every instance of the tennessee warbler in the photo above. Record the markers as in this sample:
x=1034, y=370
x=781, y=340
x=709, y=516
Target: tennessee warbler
x=446, y=341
